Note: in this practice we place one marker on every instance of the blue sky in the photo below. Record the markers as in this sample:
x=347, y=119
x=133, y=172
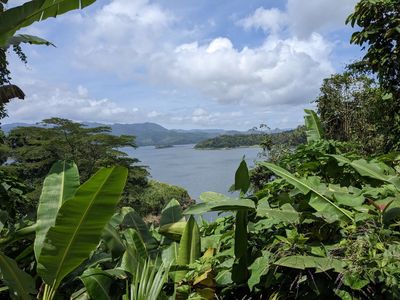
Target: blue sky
x=184, y=64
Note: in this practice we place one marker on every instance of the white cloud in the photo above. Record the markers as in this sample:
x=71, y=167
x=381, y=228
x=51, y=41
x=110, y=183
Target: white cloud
x=201, y=117
x=82, y=91
x=218, y=44
x=270, y=20
x=138, y=40
x=199, y=112
x=154, y=114
x=121, y=34
x=281, y=71
x=144, y=42
x=311, y=16
x=301, y=18
x=44, y=101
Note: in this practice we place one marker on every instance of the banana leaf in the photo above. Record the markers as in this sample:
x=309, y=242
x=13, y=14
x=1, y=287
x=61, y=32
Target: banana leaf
x=32, y=11
x=79, y=224
x=305, y=187
x=97, y=283
x=372, y=169
x=189, y=247
x=20, y=284
x=59, y=186
x=313, y=126
x=223, y=205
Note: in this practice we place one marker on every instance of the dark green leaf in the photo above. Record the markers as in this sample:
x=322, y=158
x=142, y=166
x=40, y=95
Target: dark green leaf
x=242, y=178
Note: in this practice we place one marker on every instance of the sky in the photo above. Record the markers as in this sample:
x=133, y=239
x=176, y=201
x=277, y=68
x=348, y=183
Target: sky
x=184, y=64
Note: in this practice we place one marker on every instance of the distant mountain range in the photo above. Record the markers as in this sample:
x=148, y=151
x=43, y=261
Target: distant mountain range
x=154, y=134
x=149, y=134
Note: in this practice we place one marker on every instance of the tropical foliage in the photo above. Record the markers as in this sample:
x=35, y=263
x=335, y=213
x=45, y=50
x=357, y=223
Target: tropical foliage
x=325, y=225
x=70, y=220
x=354, y=108
x=378, y=32
x=317, y=221
x=33, y=150
x=377, y=23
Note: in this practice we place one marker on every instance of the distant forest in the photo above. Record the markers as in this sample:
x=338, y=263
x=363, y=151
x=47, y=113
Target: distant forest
x=291, y=138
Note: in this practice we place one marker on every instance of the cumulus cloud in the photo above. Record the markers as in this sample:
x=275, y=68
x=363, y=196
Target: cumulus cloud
x=121, y=34
x=270, y=20
x=143, y=42
x=128, y=38
x=301, y=18
x=281, y=71
x=44, y=101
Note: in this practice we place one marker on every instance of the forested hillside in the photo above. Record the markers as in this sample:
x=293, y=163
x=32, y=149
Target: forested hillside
x=289, y=138
x=318, y=217
x=146, y=134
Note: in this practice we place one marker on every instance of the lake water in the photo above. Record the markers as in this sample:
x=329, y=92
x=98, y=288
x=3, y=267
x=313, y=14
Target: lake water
x=195, y=170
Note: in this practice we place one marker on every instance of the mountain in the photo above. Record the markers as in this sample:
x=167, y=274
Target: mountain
x=154, y=134
x=8, y=127
x=149, y=134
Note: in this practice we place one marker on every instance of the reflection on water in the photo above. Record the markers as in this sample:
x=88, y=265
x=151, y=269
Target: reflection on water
x=195, y=170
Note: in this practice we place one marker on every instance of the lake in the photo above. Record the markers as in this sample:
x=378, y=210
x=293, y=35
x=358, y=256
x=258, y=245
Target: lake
x=195, y=170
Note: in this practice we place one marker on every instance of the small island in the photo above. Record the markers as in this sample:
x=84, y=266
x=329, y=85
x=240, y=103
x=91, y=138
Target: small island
x=163, y=146
x=231, y=141
x=290, y=137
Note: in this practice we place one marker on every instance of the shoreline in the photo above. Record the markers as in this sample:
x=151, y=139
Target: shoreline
x=228, y=148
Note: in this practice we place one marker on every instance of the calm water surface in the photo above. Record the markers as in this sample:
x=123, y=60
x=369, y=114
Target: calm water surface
x=195, y=170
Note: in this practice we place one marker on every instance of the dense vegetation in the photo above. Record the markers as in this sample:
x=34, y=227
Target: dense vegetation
x=362, y=104
x=231, y=141
x=324, y=225
x=148, y=134
x=289, y=138
x=317, y=221
x=33, y=150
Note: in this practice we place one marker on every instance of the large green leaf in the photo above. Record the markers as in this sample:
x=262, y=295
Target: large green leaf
x=113, y=240
x=79, y=224
x=313, y=126
x=212, y=197
x=372, y=169
x=97, y=283
x=239, y=268
x=24, y=15
x=223, y=205
x=172, y=213
x=259, y=268
x=172, y=222
x=130, y=261
x=286, y=213
x=59, y=186
x=189, y=247
x=173, y=231
x=133, y=220
x=242, y=178
x=303, y=185
x=135, y=243
x=21, y=284
x=322, y=264
x=170, y=254
x=111, y=234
